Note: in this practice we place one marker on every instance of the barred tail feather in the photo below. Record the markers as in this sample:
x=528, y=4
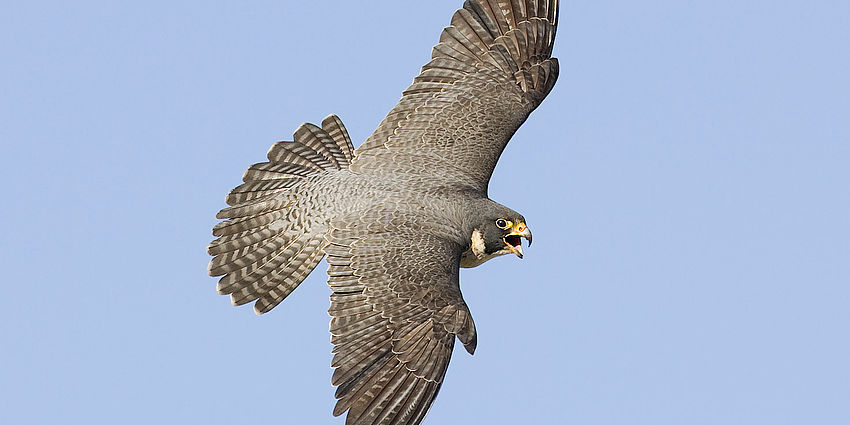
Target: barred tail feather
x=312, y=151
x=268, y=242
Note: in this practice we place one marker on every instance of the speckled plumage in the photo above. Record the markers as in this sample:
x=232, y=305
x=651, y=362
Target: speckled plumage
x=395, y=217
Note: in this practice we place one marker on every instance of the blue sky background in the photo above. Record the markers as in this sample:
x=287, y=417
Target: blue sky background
x=686, y=182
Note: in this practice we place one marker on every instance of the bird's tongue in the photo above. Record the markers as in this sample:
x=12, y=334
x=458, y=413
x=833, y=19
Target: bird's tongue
x=518, y=250
x=515, y=244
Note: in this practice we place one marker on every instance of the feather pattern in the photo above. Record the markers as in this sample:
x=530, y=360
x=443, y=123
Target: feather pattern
x=494, y=69
x=332, y=125
x=398, y=350
x=270, y=240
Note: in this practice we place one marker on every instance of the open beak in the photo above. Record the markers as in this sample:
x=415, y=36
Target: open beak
x=514, y=239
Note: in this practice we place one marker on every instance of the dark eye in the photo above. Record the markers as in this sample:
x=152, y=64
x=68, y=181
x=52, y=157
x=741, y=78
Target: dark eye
x=502, y=224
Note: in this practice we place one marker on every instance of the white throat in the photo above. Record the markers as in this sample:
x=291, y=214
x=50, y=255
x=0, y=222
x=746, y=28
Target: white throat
x=475, y=255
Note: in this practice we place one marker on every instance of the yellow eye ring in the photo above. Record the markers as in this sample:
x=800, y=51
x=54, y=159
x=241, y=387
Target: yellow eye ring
x=503, y=224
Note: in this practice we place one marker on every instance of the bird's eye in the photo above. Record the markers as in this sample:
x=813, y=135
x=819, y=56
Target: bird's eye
x=503, y=224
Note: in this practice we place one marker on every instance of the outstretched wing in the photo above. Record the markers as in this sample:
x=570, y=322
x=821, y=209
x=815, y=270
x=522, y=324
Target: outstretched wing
x=492, y=67
x=396, y=308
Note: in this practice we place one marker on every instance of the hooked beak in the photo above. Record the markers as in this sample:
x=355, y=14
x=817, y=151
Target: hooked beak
x=513, y=241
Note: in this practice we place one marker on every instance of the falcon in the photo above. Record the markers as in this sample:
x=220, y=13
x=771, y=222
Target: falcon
x=398, y=217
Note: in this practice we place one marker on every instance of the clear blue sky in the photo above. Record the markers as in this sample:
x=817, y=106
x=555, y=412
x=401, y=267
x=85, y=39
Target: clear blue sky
x=686, y=182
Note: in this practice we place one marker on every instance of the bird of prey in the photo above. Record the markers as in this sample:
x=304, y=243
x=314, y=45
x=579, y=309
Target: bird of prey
x=397, y=217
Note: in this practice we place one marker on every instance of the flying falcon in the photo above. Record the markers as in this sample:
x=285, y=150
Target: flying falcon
x=397, y=217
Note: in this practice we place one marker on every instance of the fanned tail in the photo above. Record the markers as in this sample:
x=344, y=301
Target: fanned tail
x=268, y=242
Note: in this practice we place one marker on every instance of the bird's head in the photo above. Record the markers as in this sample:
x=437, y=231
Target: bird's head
x=504, y=235
x=498, y=233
